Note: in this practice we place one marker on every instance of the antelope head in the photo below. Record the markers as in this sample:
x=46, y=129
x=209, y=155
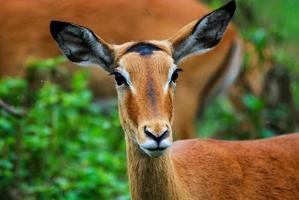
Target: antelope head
x=145, y=72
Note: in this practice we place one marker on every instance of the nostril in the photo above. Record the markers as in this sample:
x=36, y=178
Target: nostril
x=150, y=135
x=164, y=135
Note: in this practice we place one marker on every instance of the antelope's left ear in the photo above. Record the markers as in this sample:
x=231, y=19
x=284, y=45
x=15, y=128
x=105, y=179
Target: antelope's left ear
x=201, y=36
x=81, y=45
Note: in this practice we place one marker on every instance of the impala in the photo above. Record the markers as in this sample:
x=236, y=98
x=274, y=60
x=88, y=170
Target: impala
x=118, y=21
x=145, y=75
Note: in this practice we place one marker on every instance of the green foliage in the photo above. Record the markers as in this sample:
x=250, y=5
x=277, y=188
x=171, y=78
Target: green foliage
x=258, y=37
x=64, y=147
x=49, y=63
x=219, y=117
x=222, y=120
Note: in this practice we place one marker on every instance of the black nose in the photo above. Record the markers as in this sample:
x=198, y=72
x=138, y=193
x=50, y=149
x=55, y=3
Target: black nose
x=157, y=138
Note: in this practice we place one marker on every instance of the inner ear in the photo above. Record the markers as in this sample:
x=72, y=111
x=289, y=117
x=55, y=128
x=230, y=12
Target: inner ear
x=80, y=45
x=203, y=35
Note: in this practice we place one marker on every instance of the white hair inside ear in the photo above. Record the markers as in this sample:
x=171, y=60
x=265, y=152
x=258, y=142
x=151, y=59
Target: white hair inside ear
x=204, y=35
x=81, y=46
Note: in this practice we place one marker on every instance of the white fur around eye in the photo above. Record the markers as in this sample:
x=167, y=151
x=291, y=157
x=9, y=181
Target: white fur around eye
x=126, y=75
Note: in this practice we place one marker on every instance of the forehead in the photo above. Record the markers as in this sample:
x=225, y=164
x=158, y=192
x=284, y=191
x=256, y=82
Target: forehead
x=141, y=57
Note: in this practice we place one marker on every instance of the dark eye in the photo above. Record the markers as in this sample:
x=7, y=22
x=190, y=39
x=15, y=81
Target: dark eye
x=175, y=75
x=119, y=78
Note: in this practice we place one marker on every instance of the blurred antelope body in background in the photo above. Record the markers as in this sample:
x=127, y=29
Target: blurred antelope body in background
x=24, y=34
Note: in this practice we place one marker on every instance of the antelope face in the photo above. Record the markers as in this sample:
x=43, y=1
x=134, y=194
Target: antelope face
x=145, y=81
x=145, y=72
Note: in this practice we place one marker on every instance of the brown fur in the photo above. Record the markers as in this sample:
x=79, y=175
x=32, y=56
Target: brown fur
x=24, y=34
x=151, y=178
x=197, y=169
x=212, y=169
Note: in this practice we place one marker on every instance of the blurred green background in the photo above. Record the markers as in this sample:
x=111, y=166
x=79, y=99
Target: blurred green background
x=80, y=143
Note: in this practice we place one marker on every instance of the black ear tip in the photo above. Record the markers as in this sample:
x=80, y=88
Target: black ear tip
x=230, y=7
x=56, y=27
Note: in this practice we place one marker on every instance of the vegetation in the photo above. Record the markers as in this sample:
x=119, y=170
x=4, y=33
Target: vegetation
x=56, y=143
x=63, y=146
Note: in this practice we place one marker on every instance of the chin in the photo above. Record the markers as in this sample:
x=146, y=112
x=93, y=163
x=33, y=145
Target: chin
x=153, y=153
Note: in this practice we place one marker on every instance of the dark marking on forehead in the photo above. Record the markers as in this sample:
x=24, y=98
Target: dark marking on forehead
x=151, y=93
x=143, y=48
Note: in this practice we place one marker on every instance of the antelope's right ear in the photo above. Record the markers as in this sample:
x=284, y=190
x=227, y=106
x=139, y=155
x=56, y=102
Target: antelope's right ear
x=202, y=35
x=81, y=46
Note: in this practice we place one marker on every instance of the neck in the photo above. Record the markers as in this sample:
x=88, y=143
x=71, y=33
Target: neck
x=152, y=178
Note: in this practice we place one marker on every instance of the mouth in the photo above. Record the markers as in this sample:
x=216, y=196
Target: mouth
x=157, y=149
x=154, y=152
